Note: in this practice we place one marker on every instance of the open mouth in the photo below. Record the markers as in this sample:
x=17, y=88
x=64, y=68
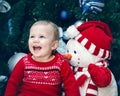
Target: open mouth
x=36, y=48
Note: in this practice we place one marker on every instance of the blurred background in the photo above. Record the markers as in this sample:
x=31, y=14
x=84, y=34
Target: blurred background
x=16, y=17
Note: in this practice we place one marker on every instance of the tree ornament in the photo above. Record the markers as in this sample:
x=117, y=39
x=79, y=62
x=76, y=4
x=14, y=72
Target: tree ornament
x=64, y=15
x=14, y=59
x=10, y=26
x=4, y=6
x=3, y=81
x=92, y=6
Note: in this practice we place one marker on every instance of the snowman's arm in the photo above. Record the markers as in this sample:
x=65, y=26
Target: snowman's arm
x=100, y=75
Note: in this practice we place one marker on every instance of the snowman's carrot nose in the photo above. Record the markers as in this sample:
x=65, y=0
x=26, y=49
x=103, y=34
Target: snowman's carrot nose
x=67, y=56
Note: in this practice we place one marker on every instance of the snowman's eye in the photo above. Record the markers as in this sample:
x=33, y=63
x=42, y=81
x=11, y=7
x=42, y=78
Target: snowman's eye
x=75, y=52
x=67, y=51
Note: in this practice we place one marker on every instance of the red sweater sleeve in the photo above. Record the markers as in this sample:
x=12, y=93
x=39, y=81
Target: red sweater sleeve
x=15, y=79
x=70, y=85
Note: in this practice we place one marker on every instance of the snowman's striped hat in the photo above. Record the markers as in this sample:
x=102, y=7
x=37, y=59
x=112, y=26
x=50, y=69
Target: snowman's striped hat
x=95, y=36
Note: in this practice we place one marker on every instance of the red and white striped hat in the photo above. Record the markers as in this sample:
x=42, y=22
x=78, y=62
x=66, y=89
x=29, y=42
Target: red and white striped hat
x=95, y=36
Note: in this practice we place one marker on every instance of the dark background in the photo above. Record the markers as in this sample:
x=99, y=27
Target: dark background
x=15, y=24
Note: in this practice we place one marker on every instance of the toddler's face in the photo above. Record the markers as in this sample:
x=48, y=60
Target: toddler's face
x=41, y=41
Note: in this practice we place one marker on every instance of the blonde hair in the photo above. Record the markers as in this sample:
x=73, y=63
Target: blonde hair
x=53, y=25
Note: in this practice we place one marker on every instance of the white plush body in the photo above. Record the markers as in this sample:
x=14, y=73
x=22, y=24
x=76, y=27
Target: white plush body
x=82, y=58
x=110, y=90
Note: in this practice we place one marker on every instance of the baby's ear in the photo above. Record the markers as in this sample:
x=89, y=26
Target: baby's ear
x=55, y=44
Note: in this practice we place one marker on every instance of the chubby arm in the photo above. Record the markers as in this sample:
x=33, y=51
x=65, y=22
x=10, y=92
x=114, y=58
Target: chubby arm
x=100, y=75
x=70, y=83
x=15, y=79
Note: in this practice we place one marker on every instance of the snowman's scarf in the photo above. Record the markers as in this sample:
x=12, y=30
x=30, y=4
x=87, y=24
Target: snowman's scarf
x=92, y=89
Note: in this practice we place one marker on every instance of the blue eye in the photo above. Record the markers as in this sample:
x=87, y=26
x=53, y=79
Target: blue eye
x=42, y=37
x=32, y=36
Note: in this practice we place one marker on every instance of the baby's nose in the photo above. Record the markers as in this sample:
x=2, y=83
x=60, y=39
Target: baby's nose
x=36, y=40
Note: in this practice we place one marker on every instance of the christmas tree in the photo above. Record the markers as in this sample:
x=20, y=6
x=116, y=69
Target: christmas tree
x=15, y=24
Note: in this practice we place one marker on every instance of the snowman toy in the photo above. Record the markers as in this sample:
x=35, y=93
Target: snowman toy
x=88, y=51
